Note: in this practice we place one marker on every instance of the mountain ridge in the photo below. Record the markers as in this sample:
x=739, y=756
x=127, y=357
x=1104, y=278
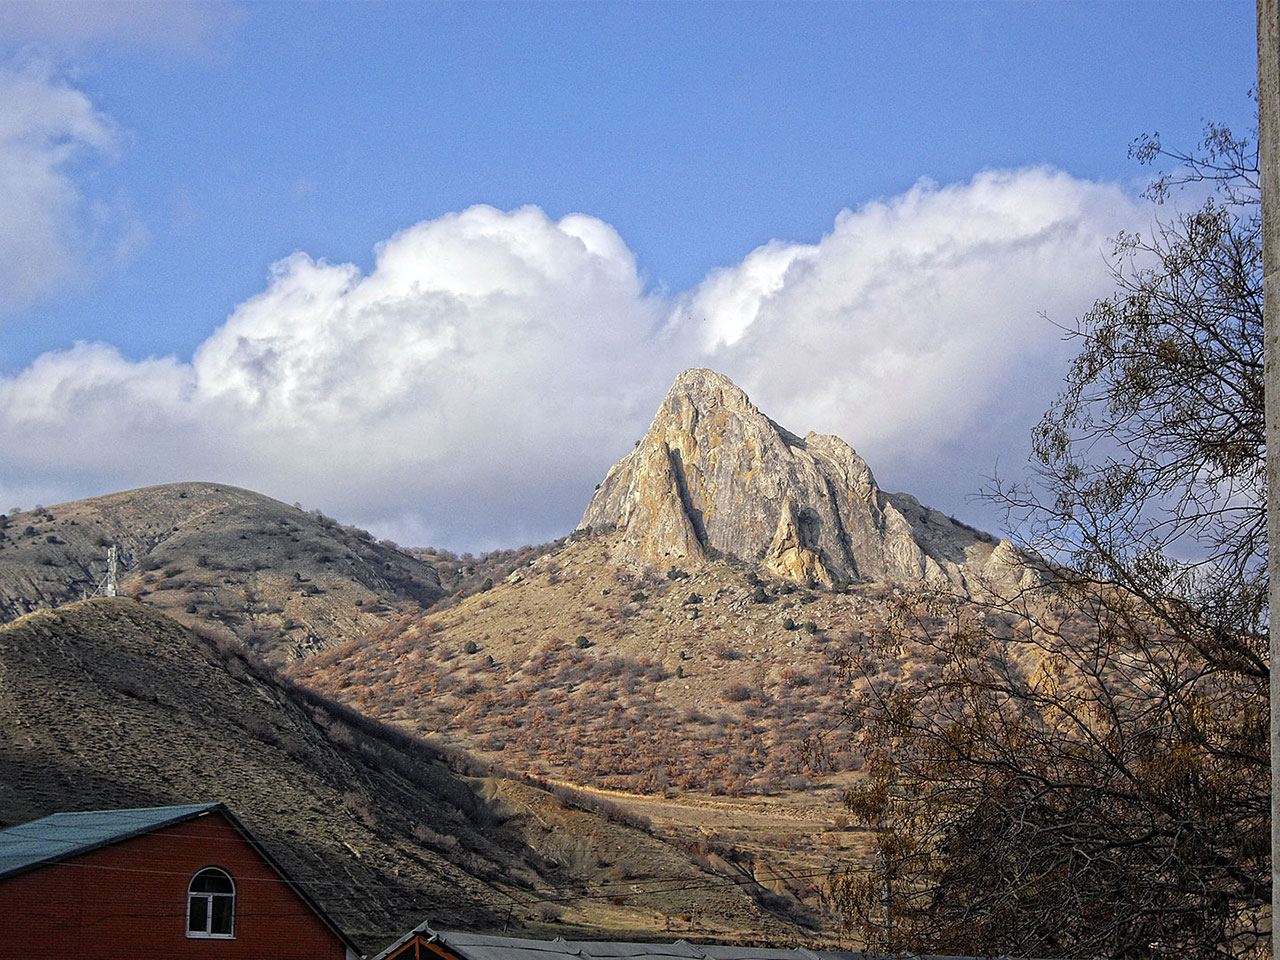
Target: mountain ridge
x=282, y=580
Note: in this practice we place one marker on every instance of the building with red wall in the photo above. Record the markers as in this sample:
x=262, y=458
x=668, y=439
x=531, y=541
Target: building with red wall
x=159, y=883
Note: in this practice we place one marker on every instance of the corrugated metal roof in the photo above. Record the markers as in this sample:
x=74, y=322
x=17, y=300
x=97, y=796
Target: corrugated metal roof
x=63, y=835
x=475, y=946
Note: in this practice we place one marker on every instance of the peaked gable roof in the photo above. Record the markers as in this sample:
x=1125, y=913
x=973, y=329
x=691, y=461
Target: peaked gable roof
x=62, y=835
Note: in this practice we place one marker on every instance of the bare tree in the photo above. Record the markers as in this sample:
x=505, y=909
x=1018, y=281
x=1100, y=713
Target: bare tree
x=1082, y=769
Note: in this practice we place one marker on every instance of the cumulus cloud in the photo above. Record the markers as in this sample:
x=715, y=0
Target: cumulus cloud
x=913, y=328
x=46, y=127
x=472, y=387
x=477, y=377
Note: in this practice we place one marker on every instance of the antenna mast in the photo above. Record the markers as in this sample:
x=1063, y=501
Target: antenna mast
x=112, y=563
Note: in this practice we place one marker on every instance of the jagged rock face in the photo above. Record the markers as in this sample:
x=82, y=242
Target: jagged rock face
x=715, y=474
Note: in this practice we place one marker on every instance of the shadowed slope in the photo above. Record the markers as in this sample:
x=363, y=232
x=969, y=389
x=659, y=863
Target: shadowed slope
x=107, y=703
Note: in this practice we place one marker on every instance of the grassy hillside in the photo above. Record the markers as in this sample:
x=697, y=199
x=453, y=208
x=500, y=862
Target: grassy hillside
x=708, y=700
x=109, y=703
x=709, y=680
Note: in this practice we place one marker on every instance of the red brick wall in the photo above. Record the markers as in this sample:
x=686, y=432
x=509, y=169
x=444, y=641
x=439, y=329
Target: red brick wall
x=128, y=901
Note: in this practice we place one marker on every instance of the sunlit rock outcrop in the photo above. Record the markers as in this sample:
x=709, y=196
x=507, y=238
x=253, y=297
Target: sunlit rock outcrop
x=715, y=475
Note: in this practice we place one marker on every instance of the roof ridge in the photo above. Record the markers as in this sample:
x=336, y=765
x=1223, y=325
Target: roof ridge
x=69, y=833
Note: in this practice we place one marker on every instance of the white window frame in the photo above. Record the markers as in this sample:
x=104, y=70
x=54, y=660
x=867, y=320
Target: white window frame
x=205, y=934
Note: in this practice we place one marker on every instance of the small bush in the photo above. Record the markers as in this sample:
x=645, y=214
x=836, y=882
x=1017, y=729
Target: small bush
x=759, y=595
x=130, y=688
x=582, y=643
x=638, y=597
x=675, y=573
x=470, y=647
x=789, y=624
x=444, y=842
x=549, y=912
x=260, y=729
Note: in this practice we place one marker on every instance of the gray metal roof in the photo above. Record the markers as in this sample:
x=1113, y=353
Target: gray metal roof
x=475, y=946
x=65, y=835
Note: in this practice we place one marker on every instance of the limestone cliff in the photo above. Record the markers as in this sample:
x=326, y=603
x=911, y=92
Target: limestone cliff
x=715, y=474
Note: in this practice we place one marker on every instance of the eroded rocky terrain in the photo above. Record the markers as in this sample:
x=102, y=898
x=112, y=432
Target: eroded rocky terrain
x=714, y=476
x=282, y=580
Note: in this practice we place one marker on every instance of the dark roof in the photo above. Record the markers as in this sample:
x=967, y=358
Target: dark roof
x=475, y=946
x=62, y=835
x=65, y=835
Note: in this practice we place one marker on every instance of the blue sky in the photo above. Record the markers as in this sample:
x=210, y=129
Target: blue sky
x=212, y=141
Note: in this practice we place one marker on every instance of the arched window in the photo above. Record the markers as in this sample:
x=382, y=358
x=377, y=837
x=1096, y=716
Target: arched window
x=211, y=904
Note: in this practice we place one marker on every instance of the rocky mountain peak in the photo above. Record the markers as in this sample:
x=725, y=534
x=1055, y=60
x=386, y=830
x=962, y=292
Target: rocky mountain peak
x=713, y=475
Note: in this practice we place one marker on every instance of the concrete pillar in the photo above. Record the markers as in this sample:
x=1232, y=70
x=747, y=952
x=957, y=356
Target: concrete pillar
x=1269, y=157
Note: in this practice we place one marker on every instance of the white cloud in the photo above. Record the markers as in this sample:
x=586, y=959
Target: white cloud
x=913, y=328
x=472, y=387
x=477, y=377
x=46, y=126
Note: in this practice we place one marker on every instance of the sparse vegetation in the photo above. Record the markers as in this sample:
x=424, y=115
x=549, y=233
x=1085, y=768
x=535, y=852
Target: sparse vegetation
x=594, y=718
x=1083, y=770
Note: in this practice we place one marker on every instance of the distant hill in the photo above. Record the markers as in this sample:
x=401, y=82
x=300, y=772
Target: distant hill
x=109, y=703
x=461, y=575
x=282, y=580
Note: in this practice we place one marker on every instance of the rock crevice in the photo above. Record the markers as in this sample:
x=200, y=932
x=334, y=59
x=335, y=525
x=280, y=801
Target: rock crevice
x=714, y=475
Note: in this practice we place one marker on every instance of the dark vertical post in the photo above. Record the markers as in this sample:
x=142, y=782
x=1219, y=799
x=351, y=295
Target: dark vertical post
x=1269, y=157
